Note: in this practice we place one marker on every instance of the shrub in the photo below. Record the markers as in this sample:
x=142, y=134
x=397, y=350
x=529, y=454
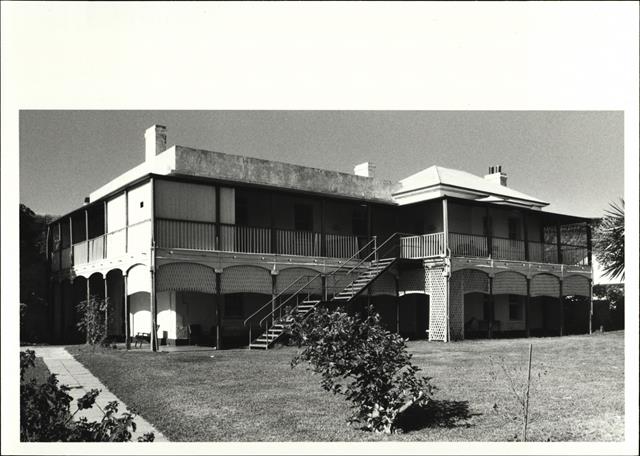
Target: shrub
x=93, y=319
x=362, y=361
x=45, y=414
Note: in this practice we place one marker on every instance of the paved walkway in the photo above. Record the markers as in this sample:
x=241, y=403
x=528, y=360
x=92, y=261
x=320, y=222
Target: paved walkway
x=73, y=374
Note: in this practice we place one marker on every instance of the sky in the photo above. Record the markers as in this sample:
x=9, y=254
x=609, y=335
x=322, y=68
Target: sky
x=572, y=159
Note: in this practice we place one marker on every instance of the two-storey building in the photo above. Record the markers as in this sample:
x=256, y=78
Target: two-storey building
x=216, y=248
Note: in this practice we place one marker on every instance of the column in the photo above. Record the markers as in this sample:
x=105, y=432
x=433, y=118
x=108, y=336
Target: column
x=86, y=231
x=559, y=243
x=106, y=307
x=526, y=308
x=127, y=339
x=88, y=296
x=590, y=306
x=561, y=309
x=491, y=308
x=397, y=304
x=526, y=235
x=219, y=315
x=154, y=313
x=445, y=223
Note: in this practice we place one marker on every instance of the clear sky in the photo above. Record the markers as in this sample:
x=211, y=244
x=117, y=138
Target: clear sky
x=574, y=160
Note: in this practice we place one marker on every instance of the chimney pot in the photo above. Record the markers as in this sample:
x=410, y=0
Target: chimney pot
x=496, y=175
x=86, y=200
x=366, y=169
x=155, y=141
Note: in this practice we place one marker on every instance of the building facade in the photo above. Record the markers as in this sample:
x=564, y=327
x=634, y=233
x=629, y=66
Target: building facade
x=214, y=248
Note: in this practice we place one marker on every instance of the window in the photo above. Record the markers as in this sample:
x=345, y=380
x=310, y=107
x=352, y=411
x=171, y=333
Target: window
x=242, y=210
x=233, y=307
x=515, y=308
x=359, y=220
x=514, y=228
x=486, y=226
x=303, y=217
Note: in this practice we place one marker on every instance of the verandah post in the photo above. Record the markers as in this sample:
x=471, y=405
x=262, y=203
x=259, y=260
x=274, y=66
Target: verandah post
x=526, y=308
x=219, y=298
x=127, y=339
x=491, y=308
x=561, y=309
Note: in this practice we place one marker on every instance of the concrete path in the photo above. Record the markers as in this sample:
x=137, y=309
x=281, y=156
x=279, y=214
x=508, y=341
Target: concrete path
x=73, y=374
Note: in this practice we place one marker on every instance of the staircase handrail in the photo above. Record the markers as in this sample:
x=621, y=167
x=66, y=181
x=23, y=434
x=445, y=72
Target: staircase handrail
x=373, y=252
x=373, y=239
x=293, y=295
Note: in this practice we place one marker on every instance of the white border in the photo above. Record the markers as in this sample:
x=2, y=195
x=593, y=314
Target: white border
x=453, y=56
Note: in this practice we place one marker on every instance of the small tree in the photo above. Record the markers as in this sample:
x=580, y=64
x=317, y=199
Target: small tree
x=609, y=240
x=45, y=414
x=367, y=364
x=93, y=319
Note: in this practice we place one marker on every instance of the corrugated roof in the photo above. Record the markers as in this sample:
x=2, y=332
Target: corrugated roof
x=435, y=176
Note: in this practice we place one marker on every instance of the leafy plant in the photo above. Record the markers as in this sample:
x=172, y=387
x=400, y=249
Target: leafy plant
x=45, y=414
x=359, y=359
x=93, y=319
x=609, y=240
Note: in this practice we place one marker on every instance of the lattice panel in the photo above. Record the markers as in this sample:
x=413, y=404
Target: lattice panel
x=456, y=305
x=575, y=286
x=246, y=279
x=384, y=285
x=412, y=280
x=474, y=281
x=186, y=277
x=510, y=282
x=436, y=288
x=545, y=285
x=288, y=276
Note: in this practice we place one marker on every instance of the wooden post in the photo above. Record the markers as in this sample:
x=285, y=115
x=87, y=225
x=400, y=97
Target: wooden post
x=527, y=303
x=272, y=227
x=397, y=281
x=152, y=270
x=127, y=339
x=561, y=310
x=106, y=307
x=104, y=238
x=590, y=306
x=445, y=224
x=86, y=231
x=489, y=229
x=126, y=221
x=589, y=246
x=526, y=401
x=526, y=235
x=323, y=228
x=219, y=298
x=70, y=241
x=88, y=299
x=60, y=247
x=218, y=242
x=491, y=309
x=559, y=242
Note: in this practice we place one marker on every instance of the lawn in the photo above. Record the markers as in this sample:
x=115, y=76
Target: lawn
x=577, y=392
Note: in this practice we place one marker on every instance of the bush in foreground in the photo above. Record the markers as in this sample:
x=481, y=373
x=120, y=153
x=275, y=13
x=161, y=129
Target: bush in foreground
x=45, y=414
x=358, y=358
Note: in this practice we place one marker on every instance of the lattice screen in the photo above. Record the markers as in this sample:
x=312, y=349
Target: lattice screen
x=509, y=282
x=412, y=280
x=474, y=281
x=246, y=279
x=545, y=285
x=384, y=285
x=288, y=276
x=576, y=285
x=436, y=288
x=186, y=277
x=456, y=304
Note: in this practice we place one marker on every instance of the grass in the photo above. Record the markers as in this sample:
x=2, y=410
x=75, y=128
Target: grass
x=240, y=395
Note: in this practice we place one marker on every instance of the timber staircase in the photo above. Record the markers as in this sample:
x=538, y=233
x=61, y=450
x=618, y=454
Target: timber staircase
x=299, y=303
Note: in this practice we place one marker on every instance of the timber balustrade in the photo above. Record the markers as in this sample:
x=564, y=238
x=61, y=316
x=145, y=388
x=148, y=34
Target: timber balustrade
x=208, y=236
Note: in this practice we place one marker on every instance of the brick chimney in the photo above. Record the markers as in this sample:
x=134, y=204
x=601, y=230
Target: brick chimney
x=496, y=175
x=155, y=141
x=366, y=169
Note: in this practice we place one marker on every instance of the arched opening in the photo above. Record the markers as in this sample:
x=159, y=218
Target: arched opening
x=115, y=311
x=139, y=298
x=545, y=312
